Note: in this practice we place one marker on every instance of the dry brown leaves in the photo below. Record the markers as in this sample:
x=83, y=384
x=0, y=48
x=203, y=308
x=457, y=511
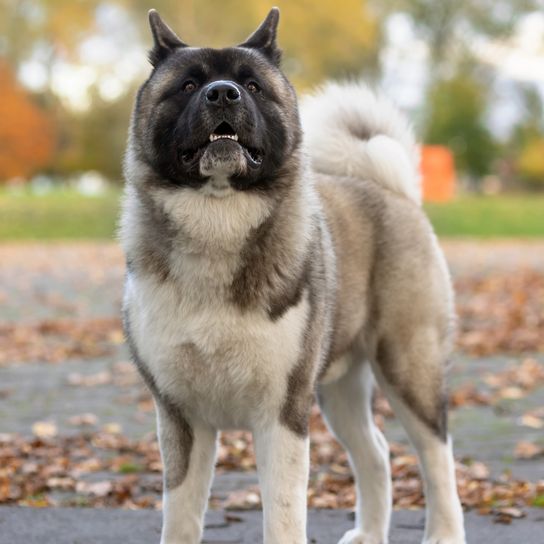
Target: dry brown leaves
x=501, y=312
x=36, y=471
x=513, y=383
x=107, y=469
x=331, y=483
x=56, y=340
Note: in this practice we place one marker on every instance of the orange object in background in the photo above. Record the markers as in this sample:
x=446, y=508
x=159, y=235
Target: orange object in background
x=438, y=173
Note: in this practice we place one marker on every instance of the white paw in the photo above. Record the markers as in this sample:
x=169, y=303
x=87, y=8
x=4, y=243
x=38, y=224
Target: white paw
x=445, y=540
x=356, y=536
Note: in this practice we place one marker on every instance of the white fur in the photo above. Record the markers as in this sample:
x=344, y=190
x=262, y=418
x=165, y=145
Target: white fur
x=347, y=407
x=184, y=506
x=283, y=466
x=213, y=224
x=239, y=377
x=444, y=521
x=350, y=131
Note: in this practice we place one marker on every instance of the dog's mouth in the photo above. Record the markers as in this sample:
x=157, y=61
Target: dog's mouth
x=222, y=133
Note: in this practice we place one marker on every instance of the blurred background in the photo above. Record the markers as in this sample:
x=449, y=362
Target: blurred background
x=76, y=423
x=470, y=74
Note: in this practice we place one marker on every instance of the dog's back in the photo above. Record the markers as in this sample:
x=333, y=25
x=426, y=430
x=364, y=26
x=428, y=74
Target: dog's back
x=394, y=302
x=365, y=160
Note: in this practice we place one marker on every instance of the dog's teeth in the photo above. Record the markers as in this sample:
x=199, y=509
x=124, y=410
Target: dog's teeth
x=214, y=137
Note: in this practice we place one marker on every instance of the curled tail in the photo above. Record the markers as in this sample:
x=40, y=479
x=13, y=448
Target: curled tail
x=350, y=131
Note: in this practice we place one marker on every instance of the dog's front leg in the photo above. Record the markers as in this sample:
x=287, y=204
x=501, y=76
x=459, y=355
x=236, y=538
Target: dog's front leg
x=283, y=465
x=188, y=456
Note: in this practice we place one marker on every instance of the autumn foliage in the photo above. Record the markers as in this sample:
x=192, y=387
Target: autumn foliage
x=27, y=134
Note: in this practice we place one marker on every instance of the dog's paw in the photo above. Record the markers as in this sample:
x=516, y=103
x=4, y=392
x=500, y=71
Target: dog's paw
x=356, y=536
x=445, y=540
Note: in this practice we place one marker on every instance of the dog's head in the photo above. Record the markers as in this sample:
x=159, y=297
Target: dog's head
x=222, y=116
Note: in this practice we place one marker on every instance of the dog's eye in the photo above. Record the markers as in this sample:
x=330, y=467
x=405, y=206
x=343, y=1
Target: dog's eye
x=253, y=87
x=189, y=86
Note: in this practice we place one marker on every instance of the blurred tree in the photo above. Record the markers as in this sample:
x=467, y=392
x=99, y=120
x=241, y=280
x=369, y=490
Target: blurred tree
x=526, y=145
x=95, y=139
x=530, y=163
x=449, y=27
x=320, y=39
x=56, y=26
x=455, y=118
x=335, y=40
x=531, y=125
x=27, y=134
x=457, y=99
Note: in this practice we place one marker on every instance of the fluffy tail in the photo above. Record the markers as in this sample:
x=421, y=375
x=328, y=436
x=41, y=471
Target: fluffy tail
x=349, y=131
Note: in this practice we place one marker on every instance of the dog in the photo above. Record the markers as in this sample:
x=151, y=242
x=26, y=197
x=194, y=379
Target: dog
x=271, y=261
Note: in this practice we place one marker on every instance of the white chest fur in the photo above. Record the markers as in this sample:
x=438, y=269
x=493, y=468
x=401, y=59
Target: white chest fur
x=226, y=366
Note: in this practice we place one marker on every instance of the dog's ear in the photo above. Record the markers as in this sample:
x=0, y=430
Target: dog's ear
x=264, y=38
x=164, y=39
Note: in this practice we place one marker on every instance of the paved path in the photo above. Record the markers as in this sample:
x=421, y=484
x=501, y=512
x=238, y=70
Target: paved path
x=82, y=281
x=86, y=526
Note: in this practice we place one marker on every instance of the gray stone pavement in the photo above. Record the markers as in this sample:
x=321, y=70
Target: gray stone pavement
x=63, y=284
x=86, y=526
x=37, y=391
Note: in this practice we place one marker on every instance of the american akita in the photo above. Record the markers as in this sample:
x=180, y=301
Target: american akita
x=265, y=266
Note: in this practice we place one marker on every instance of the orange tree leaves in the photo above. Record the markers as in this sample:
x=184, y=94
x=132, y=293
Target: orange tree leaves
x=27, y=134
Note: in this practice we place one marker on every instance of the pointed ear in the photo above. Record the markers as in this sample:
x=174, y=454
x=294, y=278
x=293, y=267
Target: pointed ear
x=264, y=38
x=164, y=39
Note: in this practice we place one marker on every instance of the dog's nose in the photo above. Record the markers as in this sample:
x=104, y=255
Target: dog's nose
x=222, y=93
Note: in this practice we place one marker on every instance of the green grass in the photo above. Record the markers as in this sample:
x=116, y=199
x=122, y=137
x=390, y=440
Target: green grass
x=65, y=214
x=130, y=468
x=59, y=215
x=490, y=216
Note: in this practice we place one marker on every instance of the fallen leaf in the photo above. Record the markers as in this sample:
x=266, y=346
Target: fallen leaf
x=83, y=420
x=44, y=429
x=527, y=450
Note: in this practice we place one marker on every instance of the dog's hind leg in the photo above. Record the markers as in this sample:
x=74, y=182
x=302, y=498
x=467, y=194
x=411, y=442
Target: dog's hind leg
x=411, y=375
x=346, y=405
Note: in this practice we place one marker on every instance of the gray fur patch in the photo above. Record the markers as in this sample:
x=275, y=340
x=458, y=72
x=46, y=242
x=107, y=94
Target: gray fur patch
x=176, y=440
x=273, y=269
x=295, y=412
x=436, y=419
x=156, y=234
